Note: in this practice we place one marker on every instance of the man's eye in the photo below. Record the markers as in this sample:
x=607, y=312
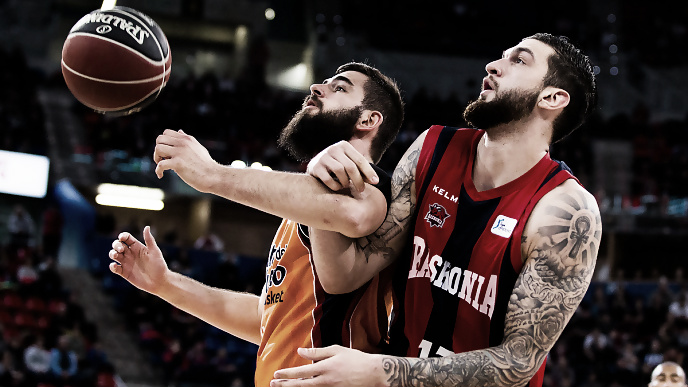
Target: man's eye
x=338, y=88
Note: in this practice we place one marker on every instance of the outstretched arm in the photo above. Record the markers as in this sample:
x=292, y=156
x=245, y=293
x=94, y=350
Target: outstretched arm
x=344, y=264
x=561, y=242
x=295, y=196
x=144, y=267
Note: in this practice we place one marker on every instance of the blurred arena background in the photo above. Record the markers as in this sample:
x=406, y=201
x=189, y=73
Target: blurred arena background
x=240, y=70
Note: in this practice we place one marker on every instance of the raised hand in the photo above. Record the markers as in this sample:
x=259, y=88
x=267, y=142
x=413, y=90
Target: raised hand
x=340, y=165
x=182, y=153
x=142, y=265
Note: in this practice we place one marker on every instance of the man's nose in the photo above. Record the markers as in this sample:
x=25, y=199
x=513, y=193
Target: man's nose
x=317, y=89
x=494, y=68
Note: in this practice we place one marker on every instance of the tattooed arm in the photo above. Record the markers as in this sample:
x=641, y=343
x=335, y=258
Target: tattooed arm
x=560, y=247
x=344, y=264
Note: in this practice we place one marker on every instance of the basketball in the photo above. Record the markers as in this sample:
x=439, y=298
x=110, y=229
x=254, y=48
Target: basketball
x=116, y=61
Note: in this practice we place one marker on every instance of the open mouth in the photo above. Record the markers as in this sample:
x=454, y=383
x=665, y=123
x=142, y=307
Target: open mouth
x=311, y=101
x=487, y=85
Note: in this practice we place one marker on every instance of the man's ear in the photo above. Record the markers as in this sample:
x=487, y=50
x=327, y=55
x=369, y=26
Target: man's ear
x=553, y=98
x=369, y=120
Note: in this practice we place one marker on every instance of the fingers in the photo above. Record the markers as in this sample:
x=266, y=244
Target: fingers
x=317, y=354
x=129, y=246
x=118, y=246
x=116, y=268
x=344, y=170
x=177, y=150
x=363, y=166
x=121, y=246
x=148, y=238
x=162, y=167
x=297, y=382
x=166, y=142
x=126, y=238
x=309, y=370
x=335, y=170
x=320, y=172
x=304, y=371
x=163, y=151
x=340, y=163
x=169, y=133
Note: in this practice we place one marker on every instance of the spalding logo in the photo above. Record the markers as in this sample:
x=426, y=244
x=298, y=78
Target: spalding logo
x=135, y=31
x=103, y=29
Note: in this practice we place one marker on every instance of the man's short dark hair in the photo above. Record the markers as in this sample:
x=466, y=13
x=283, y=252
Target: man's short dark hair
x=569, y=69
x=381, y=93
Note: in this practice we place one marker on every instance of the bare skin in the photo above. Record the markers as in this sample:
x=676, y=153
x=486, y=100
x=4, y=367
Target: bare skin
x=144, y=267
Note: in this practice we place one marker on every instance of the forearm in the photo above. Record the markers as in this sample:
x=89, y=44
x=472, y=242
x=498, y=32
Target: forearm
x=497, y=366
x=295, y=196
x=233, y=312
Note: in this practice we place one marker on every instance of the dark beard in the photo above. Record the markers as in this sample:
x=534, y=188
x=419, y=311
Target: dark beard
x=307, y=134
x=511, y=106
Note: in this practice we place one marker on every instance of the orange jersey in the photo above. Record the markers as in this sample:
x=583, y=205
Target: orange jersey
x=298, y=313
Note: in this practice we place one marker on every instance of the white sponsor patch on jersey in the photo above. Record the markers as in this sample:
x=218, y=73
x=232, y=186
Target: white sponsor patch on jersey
x=503, y=226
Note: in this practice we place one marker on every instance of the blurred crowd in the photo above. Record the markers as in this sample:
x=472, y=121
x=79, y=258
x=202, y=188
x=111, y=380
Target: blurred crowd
x=648, y=32
x=621, y=331
x=45, y=338
x=21, y=116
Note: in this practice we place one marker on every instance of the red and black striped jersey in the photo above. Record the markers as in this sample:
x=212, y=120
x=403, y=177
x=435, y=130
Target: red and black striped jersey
x=465, y=252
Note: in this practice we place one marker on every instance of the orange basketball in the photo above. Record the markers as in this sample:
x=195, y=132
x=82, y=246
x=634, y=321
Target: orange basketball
x=116, y=61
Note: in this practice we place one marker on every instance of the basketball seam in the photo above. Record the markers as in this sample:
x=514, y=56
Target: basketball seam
x=149, y=60
x=137, y=81
x=119, y=108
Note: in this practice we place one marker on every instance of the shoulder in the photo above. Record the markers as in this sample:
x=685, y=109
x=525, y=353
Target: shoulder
x=567, y=213
x=572, y=194
x=439, y=133
x=568, y=199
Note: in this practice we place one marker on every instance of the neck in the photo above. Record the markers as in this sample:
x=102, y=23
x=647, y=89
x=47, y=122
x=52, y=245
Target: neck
x=362, y=145
x=508, y=151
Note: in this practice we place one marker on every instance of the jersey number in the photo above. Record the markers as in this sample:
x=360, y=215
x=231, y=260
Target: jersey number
x=426, y=346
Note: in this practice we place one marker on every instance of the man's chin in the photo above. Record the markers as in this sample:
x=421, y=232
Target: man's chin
x=487, y=95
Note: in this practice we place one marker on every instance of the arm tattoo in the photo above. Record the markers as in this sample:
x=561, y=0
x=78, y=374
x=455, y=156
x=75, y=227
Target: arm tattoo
x=550, y=287
x=400, y=211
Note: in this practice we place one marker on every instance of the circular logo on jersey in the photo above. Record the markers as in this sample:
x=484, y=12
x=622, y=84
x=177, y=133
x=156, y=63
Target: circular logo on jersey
x=104, y=29
x=436, y=215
